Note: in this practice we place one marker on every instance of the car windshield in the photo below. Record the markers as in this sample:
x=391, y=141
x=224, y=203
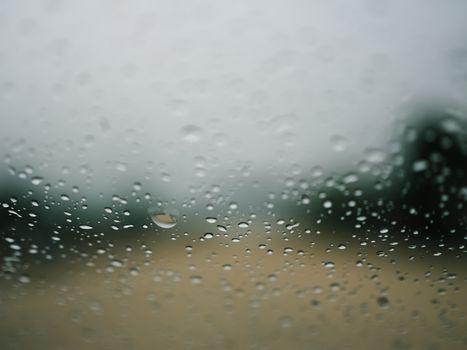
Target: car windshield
x=258, y=174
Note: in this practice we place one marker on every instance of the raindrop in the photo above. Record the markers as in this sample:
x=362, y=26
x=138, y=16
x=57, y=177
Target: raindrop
x=120, y=166
x=375, y=155
x=305, y=199
x=221, y=228
x=116, y=263
x=315, y=304
x=36, y=180
x=164, y=218
x=233, y=206
x=338, y=143
x=24, y=279
x=350, y=178
x=191, y=133
x=227, y=267
x=196, y=279
x=383, y=302
x=420, y=165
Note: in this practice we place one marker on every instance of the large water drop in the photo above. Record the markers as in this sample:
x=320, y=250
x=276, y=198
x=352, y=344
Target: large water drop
x=164, y=218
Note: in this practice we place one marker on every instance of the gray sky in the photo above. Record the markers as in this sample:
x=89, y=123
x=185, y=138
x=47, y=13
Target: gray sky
x=182, y=92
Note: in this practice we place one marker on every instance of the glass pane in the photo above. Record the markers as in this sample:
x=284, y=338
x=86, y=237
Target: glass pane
x=233, y=174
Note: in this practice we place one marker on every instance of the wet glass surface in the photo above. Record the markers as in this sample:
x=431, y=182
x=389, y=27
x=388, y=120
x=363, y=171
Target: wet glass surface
x=233, y=175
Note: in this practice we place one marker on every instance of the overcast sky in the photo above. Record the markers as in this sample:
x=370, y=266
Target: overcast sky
x=182, y=90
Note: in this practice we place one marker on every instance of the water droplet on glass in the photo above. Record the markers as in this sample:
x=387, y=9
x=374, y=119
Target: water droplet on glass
x=24, y=279
x=116, y=263
x=36, y=180
x=420, y=165
x=383, y=302
x=350, y=178
x=191, y=133
x=233, y=206
x=221, y=228
x=375, y=155
x=338, y=143
x=227, y=267
x=134, y=271
x=211, y=220
x=196, y=279
x=120, y=166
x=164, y=218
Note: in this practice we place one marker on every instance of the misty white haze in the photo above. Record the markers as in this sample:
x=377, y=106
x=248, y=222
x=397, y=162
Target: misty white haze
x=175, y=93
